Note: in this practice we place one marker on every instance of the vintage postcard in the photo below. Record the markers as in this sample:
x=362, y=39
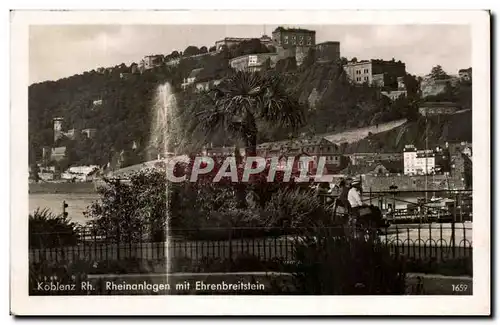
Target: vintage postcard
x=250, y=163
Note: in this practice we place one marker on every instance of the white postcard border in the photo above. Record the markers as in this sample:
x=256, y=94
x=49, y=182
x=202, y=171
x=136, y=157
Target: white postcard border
x=478, y=303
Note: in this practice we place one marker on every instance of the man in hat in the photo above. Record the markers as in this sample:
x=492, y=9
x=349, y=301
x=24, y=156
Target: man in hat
x=355, y=202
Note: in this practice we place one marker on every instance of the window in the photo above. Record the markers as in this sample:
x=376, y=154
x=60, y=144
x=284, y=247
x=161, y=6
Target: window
x=366, y=78
x=293, y=37
x=285, y=41
x=308, y=42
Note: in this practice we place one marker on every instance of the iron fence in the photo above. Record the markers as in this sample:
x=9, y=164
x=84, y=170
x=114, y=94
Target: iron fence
x=436, y=241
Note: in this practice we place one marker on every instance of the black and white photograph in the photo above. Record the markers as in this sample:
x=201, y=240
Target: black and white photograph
x=274, y=158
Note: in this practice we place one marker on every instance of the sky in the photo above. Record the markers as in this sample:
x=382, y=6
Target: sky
x=64, y=50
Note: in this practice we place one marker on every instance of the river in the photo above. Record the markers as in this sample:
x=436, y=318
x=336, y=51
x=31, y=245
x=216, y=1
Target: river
x=77, y=203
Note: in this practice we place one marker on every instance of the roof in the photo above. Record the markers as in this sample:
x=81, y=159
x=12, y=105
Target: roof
x=376, y=61
x=283, y=29
x=237, y=39
x=195, y=72
x=328, y=43
x=86, y=170
x=392, y=166
x=358, y=169
x=306, y=141
x=423, y=155
x=358, y=62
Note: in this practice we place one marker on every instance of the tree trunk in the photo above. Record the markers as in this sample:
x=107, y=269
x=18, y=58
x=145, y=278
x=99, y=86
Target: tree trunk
x=251, y=145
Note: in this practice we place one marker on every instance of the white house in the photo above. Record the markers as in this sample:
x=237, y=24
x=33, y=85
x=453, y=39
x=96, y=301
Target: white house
x=80, y=173
x=409, y=159
x=426, y=162
x=418, y=162
x=395, y=94
x=206, y=85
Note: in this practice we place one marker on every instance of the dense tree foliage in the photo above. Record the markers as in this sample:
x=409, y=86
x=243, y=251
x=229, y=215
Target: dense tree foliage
x=252, y=46
x=191, y=50
x=437, y=73
x=47, y=230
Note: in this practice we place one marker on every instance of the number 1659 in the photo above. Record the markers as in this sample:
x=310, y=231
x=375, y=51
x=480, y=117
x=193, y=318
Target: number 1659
x=459, y=287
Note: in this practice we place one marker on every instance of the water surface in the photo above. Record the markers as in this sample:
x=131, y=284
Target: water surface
x=77, y=203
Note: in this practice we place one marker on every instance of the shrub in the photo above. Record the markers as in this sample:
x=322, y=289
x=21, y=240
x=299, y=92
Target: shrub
x=47, y=230
x=339, y=265
x=131, y=212
x=292, y=208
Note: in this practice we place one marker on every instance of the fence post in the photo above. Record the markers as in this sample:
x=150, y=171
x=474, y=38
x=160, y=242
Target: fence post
x=231, y=246
x=453, y=227
x=95, y=244
x=118, y=234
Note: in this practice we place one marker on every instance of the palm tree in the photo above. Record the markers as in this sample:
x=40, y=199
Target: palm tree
x=246, y=98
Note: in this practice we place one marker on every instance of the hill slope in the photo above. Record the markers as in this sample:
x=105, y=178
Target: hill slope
x=439, y=129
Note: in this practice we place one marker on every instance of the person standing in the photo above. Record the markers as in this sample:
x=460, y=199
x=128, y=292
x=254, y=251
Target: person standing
x=355, y=203
x=342, y=201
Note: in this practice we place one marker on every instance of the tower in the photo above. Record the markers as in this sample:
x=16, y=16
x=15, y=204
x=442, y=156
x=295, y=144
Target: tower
x=58, y=128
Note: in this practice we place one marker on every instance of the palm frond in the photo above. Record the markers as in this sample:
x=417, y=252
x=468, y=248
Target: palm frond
x=280, y=106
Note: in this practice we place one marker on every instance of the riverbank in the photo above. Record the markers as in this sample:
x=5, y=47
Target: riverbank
x=57, y=188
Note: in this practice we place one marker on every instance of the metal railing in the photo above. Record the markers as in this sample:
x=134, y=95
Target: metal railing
x=418, y=206
x=419, y=242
